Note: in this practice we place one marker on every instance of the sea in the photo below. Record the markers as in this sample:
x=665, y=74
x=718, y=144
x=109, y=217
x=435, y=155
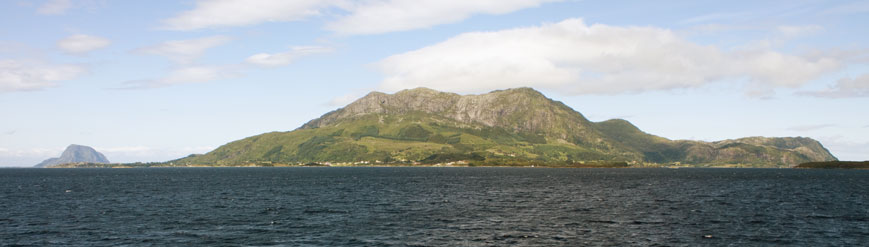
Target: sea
x=433, y=206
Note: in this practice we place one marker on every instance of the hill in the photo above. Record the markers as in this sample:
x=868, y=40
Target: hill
x=75, y=154
x=504, y=127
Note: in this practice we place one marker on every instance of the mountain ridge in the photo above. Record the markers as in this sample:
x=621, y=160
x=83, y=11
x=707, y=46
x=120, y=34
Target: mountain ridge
x=518, y=109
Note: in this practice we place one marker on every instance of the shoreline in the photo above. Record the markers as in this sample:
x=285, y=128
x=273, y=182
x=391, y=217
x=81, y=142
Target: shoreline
x=857, y=165
x=442, y=166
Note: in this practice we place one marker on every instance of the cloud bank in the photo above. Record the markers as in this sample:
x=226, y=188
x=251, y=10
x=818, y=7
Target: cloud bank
x=361, y=17
x=233, y=13
x=373, y=17
x=576, y=58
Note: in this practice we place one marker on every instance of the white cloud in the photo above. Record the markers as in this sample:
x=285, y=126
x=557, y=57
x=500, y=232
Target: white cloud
x=362, y=17
x=81, y=43
x=16, y=75
x=230, y=13
x=714, y=28
x=793, y=31
x=185, y=51
x=372, y=17
x=845, y=88
x=184, y=75
x=715, y=17
x=284, y=58
x=54, y=7
x=576, y=58
x=782, y=32
x=804, y=128
x=195, y=74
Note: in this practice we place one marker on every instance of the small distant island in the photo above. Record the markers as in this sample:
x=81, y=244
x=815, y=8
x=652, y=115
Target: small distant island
x=835, y=165
x=517, y=127
x=75, y=154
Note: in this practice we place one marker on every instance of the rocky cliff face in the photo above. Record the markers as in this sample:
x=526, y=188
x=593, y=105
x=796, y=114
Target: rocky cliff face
x=517, y=110
x=76, y=154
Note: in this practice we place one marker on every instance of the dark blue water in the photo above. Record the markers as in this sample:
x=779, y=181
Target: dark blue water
x=433, y=206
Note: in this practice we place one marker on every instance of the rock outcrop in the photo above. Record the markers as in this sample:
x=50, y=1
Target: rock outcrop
x=76, y=154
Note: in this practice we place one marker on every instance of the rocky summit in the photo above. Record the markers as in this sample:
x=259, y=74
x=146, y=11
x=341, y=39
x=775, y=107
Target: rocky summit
x=76, y=154
x=505, y=127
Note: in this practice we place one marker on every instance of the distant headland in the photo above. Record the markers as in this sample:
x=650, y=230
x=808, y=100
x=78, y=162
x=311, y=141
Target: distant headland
x=836, y=165
x=75, y=154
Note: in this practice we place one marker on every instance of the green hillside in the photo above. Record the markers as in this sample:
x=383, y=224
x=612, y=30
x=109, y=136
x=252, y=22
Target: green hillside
x=504, y=127
x=412, y=137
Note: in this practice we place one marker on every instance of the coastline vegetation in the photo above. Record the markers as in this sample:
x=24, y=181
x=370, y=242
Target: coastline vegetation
x=835, y=165
x=458, y=163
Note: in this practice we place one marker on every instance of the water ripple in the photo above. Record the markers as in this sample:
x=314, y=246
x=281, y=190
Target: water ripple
x=433, y=207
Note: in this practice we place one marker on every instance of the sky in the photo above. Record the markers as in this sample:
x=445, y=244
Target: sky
x=158, y=80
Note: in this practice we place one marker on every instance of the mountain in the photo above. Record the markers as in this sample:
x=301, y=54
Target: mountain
x=504, y=127
x=76, y=154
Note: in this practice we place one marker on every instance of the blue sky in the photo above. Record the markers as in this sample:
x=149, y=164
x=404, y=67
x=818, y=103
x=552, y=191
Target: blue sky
x=157, y=80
